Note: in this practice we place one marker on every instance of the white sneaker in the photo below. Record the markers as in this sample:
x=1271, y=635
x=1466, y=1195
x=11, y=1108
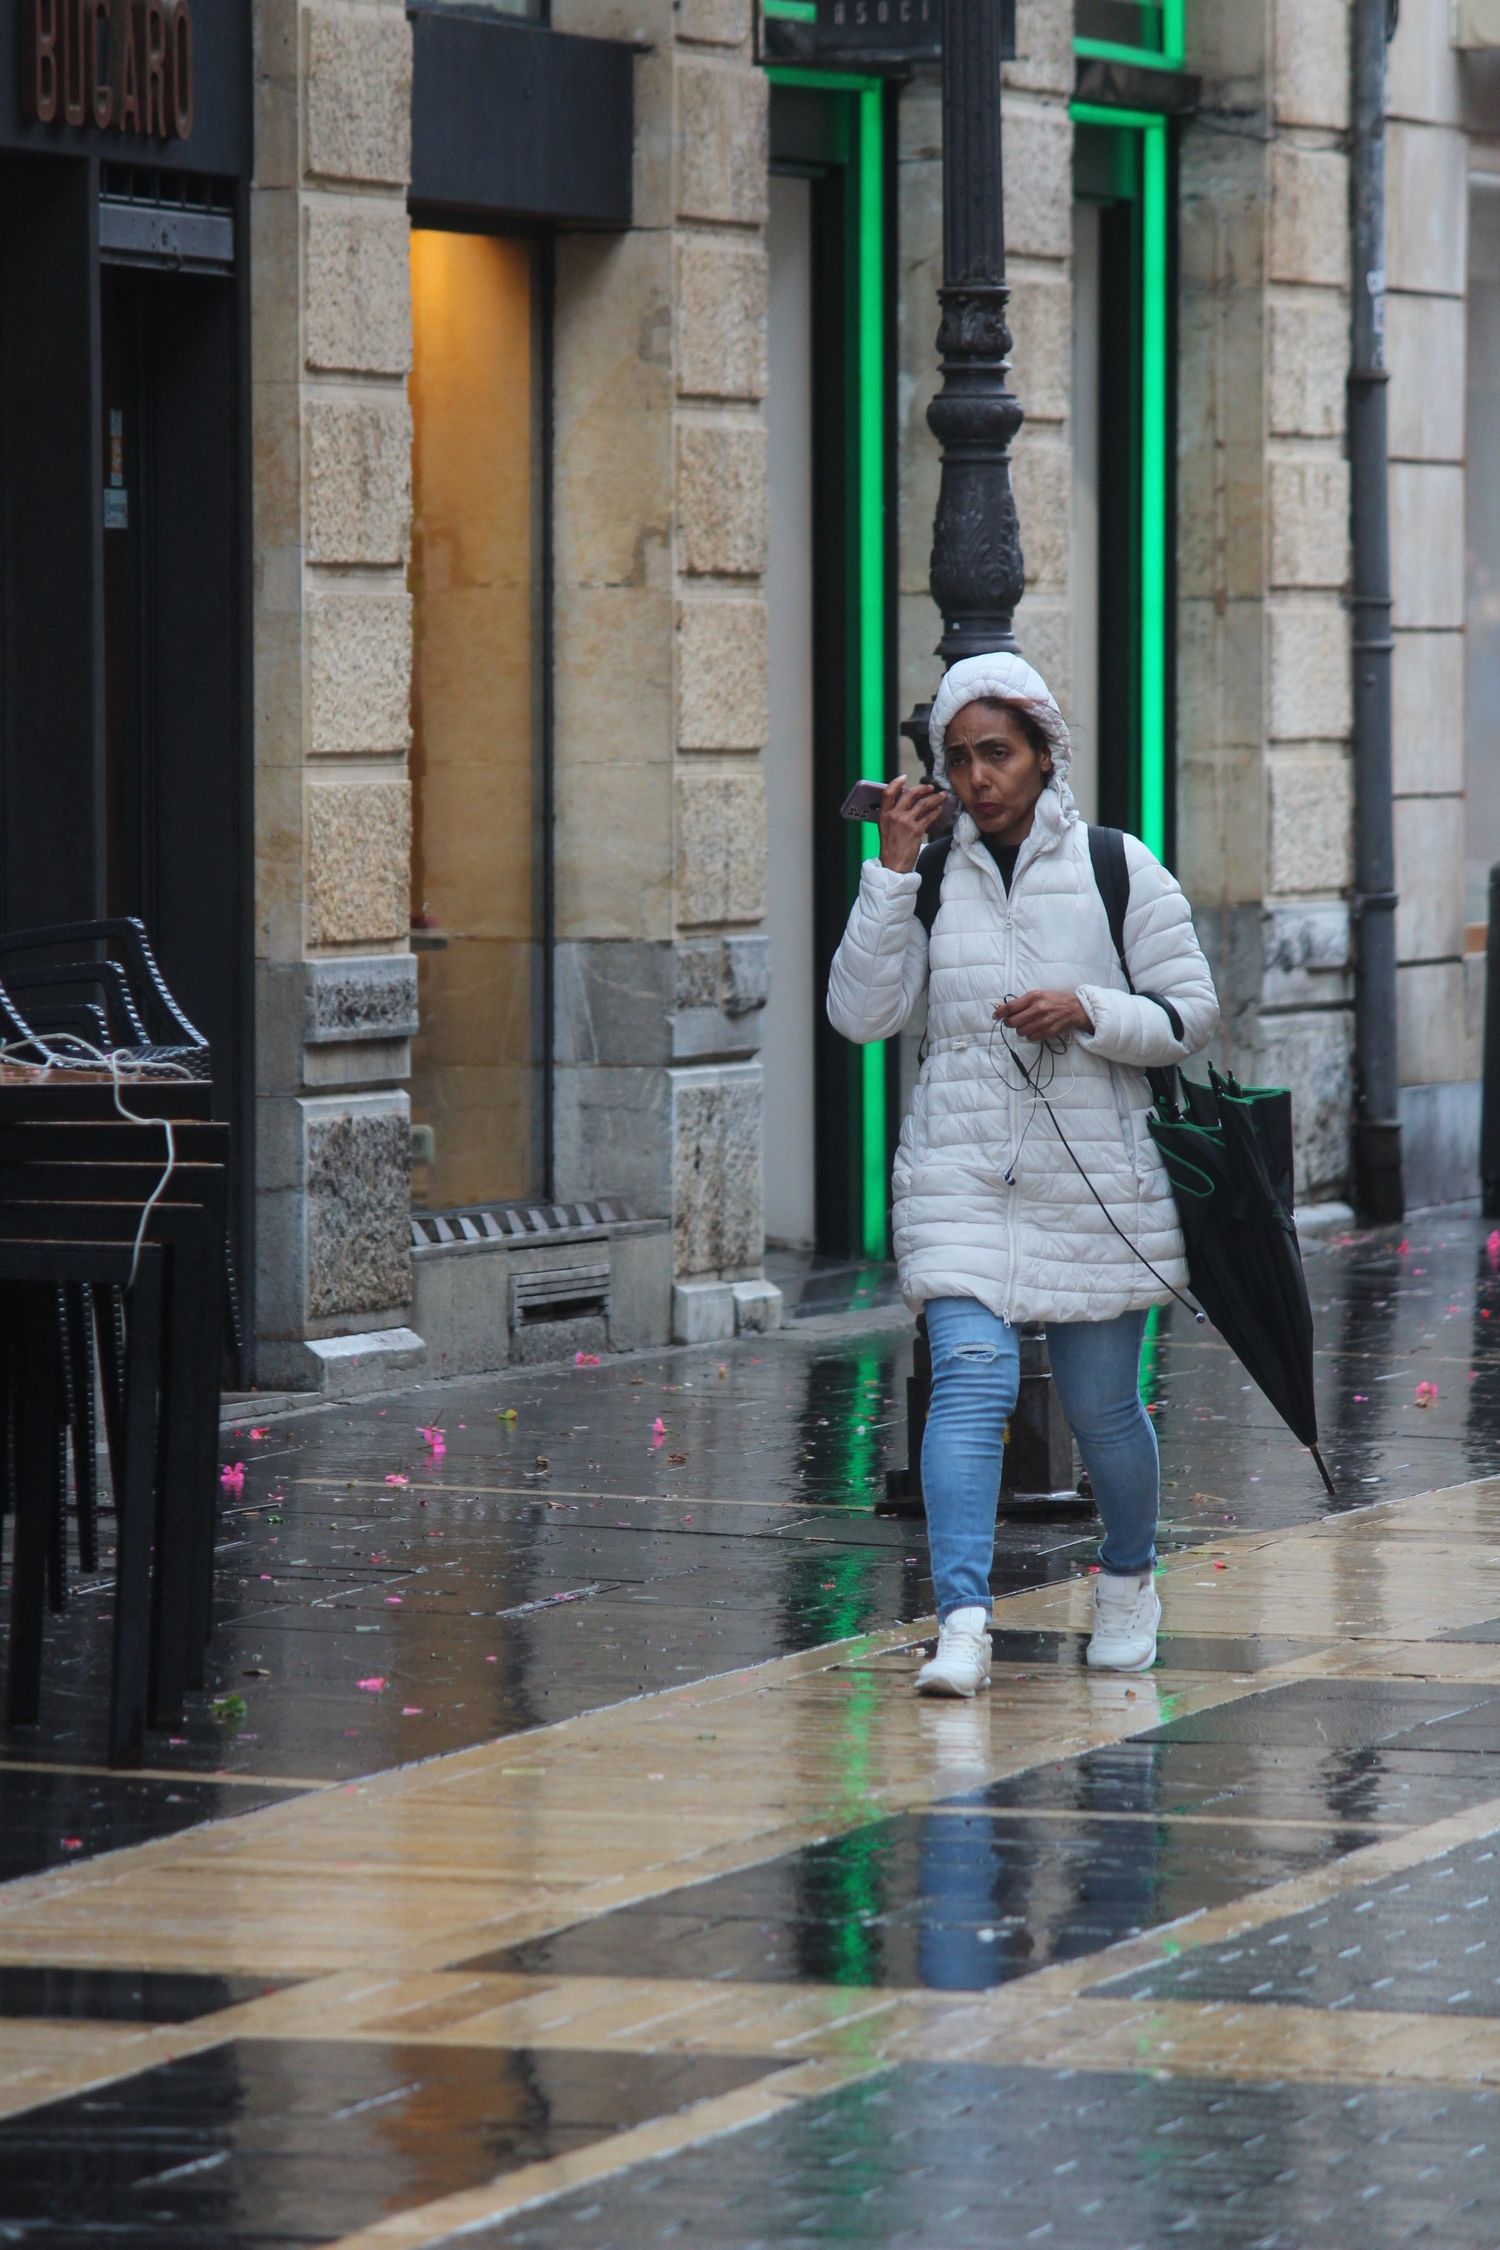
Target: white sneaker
x=962, y=1663
x=1126, y=1615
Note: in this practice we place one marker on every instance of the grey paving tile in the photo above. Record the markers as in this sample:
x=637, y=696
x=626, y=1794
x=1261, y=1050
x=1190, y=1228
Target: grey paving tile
x=958, y=2157
x=1426, y=1942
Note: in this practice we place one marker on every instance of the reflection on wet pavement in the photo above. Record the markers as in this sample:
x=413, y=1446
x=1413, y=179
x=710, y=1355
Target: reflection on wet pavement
x=441, y=1977
x=949, y=1901
x=299, y=2142
x=47, y=1995
x=548, y=1562
x=1387, y=1787
x=1176, y=1652
x=48, y=1819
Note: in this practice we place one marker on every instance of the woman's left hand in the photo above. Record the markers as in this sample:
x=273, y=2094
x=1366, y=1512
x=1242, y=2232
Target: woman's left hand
x=1044, y=1015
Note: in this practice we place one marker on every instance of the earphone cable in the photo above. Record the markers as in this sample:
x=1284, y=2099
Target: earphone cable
x=1051, y=1049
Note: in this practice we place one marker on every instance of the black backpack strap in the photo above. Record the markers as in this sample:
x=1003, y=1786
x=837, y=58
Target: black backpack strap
x=1112, y=879
x=931, y=861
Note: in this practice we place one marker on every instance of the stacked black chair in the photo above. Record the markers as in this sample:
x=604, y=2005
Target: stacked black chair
x=86, y=1285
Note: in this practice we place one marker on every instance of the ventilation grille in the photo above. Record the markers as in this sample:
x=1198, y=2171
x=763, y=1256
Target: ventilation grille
x=560, y=1293
x=165, y=191
x=175, y=219
x=518, y=1222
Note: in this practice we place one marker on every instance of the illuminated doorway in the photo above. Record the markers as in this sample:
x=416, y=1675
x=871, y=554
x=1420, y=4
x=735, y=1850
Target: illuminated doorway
x=479, y=1084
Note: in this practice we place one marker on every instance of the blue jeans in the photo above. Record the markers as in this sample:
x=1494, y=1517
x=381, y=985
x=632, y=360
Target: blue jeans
x=976, y=1367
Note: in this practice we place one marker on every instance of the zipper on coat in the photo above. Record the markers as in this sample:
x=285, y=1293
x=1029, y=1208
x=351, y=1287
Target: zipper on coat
x=1010, y=970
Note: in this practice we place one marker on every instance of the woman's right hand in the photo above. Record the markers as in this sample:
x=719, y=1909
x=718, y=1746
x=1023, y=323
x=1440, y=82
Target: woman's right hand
x=907, y=813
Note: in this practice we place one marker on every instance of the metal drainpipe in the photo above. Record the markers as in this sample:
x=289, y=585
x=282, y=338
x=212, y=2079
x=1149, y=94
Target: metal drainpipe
x=1377, y=1122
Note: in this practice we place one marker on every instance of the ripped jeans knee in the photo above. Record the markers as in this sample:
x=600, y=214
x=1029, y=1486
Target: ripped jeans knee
x=975, y=1374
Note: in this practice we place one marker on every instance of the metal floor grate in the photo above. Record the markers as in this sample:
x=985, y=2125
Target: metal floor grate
x=518, y=1222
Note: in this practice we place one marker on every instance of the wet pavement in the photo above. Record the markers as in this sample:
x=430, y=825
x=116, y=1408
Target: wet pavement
x=574, y=1535
x=663, y=1918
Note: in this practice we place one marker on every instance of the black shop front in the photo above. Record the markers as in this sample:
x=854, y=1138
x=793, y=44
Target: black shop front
x=125, y=139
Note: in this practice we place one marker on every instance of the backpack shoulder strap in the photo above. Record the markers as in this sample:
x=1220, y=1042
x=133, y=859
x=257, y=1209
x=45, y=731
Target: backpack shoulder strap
x=1112, y=876
x=931, y=861
x=1112, y=879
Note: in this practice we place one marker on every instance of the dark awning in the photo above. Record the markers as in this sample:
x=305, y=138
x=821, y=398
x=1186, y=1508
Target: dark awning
x=512, y=120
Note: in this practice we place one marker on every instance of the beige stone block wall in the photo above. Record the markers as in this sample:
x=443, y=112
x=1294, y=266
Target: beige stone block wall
x=1426, y=259
x=1221, y=629
x=660, y=550
x=1264, y=650
x=721, y=718
x=1310, y=61
x=613, y=567
x=358, y=861
x=330, y=351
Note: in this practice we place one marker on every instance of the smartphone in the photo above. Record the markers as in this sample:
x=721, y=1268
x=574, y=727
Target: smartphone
x=863, y=803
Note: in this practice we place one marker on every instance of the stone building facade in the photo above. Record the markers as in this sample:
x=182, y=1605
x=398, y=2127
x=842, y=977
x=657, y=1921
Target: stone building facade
x=1262, y=745
x=657, y=552
x=658, y=490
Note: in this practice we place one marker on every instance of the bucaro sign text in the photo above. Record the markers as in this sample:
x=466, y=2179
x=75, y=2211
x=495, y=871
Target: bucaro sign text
x=120, y=66
x=879, y=31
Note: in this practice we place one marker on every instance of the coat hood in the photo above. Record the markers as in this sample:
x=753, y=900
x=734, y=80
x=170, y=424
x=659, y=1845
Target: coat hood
x=1005, y=679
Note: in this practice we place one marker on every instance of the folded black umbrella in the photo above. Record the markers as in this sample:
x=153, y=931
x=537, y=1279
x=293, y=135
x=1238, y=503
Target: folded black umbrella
x=1228, y=1154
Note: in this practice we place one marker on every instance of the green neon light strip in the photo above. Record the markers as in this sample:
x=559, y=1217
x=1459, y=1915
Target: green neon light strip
x=800, y=11
x=1155, y=529
x=1174, y=32
x=822, y=81
x=1112, y=50
x=869, y=357
x=866, y=394
x=1132, y=120
x=1154, y=487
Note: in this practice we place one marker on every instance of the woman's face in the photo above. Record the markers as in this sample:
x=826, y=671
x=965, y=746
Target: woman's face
x=994, y=771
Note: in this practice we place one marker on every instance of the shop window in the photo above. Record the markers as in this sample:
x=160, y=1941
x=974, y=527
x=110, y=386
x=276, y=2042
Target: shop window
x=1482, y=509
x=479, y=1091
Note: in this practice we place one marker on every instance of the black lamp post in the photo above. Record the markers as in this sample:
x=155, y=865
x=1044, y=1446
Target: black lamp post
x=977, y=575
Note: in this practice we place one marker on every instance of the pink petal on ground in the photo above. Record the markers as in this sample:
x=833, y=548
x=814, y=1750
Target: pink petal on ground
x=411, y=1710
x=232, y=1476
x=371, y=1686
x=260, y=1433
x=393, y=1479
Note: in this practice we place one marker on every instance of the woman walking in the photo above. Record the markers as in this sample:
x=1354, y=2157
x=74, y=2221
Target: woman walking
x=1036, y=1046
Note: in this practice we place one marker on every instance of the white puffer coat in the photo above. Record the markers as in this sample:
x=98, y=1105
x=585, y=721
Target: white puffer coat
x=988, y=1203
